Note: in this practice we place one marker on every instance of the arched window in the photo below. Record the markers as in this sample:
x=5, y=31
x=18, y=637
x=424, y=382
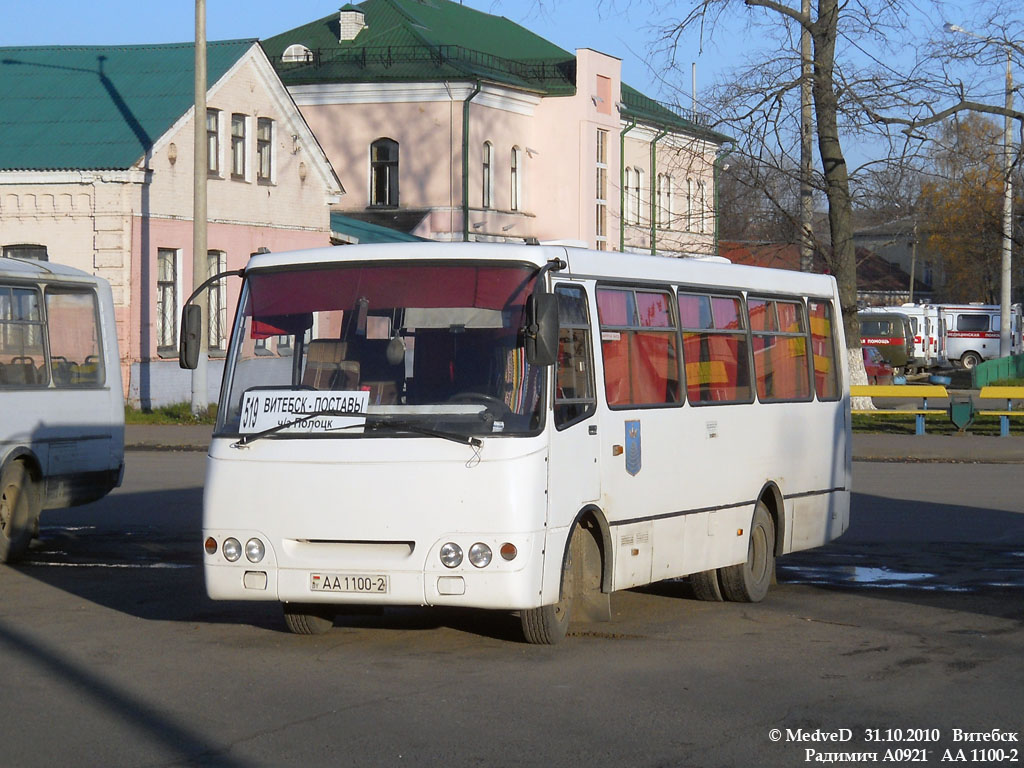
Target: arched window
x=638, y=196
x=664, y=201
x=384, y=173
x=629, y=204
x=516, y=170
x=296, y=52
x=487, y=196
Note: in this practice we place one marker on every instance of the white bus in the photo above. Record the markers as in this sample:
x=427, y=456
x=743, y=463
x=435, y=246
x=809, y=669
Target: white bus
x=520, y=428
x=62, y=424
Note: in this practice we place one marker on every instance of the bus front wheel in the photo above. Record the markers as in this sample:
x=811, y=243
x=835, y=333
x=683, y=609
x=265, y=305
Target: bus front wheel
x=548, y=624
x=748, y=582
x=18, y=513
x=307, y=619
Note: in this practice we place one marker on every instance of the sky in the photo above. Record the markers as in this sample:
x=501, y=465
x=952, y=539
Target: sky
x=570, y=24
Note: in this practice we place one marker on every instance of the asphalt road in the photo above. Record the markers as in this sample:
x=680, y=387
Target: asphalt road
x=113, y=656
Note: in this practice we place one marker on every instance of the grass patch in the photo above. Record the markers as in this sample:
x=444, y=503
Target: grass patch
x=938, y=424
x=177, y=413
x=1007, y=383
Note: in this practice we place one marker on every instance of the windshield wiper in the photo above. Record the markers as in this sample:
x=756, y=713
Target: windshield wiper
x=378, y=421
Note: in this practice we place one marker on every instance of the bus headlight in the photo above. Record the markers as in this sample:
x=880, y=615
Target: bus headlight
x=451, y=555
x=232, y=549
x=254, y=550
x=480, y=555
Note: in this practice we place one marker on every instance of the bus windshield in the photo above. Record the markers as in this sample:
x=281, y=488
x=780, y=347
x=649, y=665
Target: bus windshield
x=431, y=346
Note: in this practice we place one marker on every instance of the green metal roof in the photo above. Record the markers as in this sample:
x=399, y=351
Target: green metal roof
x=97, y=107
x=650, y=112
x=364, y=232
x=425, y=40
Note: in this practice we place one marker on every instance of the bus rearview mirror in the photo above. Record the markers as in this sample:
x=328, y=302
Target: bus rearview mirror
x=542, y=329
x=191, y=331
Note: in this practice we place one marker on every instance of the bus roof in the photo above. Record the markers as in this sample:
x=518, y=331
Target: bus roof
x=612, y=265
x=33, y=269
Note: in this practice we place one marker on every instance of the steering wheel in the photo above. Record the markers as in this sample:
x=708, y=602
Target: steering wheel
x=496, y=407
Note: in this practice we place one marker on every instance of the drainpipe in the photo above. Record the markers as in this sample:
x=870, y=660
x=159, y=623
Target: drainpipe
x=654, y=186
x=622, y=183
x=465, y=161
x=717, y=167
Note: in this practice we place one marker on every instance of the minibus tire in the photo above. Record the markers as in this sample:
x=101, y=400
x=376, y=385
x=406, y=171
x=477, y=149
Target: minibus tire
x=705, y=586
x=748, y=582
x=18, y=515
x=970, y=360
x=548, y=624
x=307, y=619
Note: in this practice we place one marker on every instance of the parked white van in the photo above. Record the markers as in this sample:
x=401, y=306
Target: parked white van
x=62, y=431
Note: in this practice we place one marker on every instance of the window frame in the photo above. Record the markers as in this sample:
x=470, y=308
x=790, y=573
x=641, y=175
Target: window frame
x=101, y=381
x=718, y=292
x=516, y=185
x=171, y=286
x=591, y=402
x=672, y=331
x=390, y=168
x=239, y=148
x=265, y=155
x=213, y=165
x=487, y=177
x=801, y=302
x=833, y=338
x=39, y=323
x=216, y=293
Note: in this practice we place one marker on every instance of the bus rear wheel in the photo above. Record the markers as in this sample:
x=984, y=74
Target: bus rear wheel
x=748, y=582
x=705, y=586
x=304, y=619
x=18, y=513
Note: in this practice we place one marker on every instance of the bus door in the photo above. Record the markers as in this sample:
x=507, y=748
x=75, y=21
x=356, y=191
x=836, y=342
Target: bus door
x=573, y=466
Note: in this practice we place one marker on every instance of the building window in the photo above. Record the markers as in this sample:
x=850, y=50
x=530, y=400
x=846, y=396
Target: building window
x=485, y=164
x=237, y=146
x=629, y=204
x=664, y=201
x=689, y=205
x=166, y=299
x=515, y=172
x=601, y=217
x=264, y=150
x=296, y=53
x=26, y=251
x=638, y=198
x=213, y=141
x=384, y=173
x=701, y=207
x=216, y=262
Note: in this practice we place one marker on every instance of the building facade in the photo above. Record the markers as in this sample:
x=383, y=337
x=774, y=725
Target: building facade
x=453, y=124
x=96, y=171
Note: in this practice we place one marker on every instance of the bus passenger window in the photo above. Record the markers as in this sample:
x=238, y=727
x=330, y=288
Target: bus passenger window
x=638, y=342
x=780, y=349
x=574, y=381
x=714, y=348
x=826, y=379
x=71, y=320
x=22, y=363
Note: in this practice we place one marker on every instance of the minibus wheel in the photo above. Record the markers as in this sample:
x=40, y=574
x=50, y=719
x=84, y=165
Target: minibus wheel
x=705, y=586
x=970, y=360
x=748, y=582
x=17, y=511
x=548, y=624
x=304, y=619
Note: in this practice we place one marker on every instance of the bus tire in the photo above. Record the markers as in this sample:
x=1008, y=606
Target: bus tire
x=970, y=360
x=307, y=619
x=748, y=582
x=706, y=587
x=548, y=624
x=18, y=511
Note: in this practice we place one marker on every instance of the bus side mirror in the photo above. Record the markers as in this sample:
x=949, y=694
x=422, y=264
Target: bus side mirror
x=191, y=331
x=542, y=329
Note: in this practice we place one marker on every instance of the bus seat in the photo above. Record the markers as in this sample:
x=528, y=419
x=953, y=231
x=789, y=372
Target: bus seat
x=323, y=363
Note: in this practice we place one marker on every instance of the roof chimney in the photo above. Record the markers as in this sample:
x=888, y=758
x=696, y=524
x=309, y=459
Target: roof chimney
x=351, y=22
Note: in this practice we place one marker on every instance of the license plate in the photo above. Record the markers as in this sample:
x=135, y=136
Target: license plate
x=374, y=584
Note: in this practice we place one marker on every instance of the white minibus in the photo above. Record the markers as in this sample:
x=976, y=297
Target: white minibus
x=972, y=332
x=62, y=429
x=519, y=428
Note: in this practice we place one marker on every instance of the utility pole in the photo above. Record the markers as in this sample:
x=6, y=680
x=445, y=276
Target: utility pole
x=200, y=399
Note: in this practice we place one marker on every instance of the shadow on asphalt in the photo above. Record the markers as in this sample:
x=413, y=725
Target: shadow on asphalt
x=149, y=565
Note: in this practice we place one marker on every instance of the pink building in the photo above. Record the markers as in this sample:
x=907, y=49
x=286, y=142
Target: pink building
x=453, y=124
x=96, y=172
